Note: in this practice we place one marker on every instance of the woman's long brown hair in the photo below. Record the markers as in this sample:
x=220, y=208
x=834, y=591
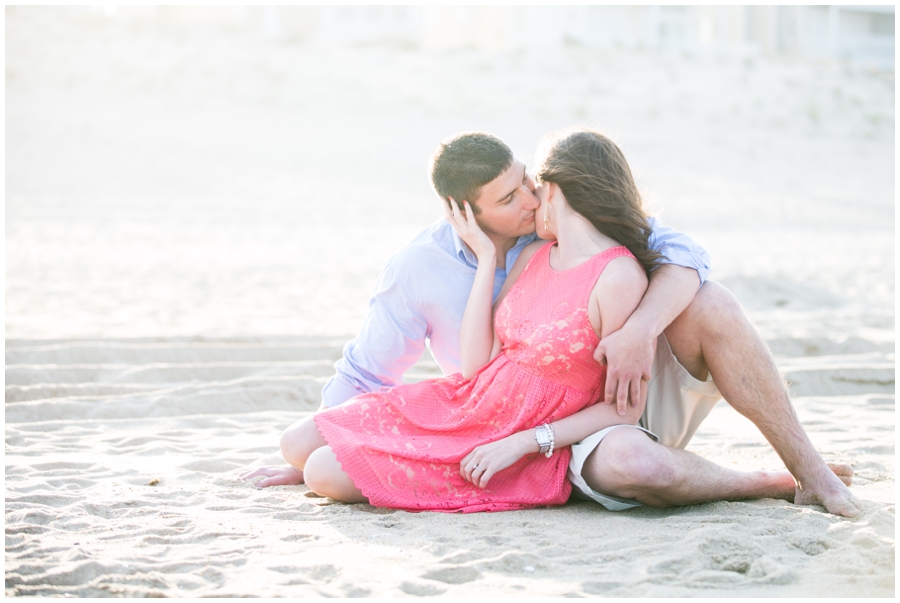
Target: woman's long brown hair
x=597, y=183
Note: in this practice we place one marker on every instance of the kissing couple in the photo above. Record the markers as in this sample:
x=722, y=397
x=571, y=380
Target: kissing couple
x=583, y=346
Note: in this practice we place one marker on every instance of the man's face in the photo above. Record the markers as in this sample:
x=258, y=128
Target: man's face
x=507, y=204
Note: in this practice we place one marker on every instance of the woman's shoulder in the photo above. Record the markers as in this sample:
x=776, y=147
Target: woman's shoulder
x=532, y=247
x=623, y=270
x=528, y=252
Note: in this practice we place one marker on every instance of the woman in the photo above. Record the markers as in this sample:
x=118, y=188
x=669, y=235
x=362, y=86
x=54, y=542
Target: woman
x=471, y=442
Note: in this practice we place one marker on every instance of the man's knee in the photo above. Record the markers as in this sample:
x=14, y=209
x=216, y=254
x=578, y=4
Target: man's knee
x=712, y=306
x=625, y=462
x=714, y=316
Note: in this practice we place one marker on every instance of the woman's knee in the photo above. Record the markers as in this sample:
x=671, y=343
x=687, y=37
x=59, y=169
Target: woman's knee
x=324, y=476
x=299, y=441
x=316, y=472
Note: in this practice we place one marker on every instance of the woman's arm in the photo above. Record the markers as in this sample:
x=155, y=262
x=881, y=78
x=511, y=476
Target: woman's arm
x=476, y=338
x=497, y=456
x=628, y=352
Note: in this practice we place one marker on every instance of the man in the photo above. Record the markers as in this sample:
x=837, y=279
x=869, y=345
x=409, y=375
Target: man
x=687, y=344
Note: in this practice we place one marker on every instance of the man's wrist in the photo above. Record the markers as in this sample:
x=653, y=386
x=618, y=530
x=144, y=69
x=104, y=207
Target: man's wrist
x=637, y=327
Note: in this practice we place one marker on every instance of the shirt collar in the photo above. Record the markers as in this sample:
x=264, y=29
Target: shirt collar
x=465, y=254
x=462, y=250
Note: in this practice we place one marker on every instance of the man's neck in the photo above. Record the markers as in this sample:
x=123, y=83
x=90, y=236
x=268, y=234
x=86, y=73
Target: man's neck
x=503, y=246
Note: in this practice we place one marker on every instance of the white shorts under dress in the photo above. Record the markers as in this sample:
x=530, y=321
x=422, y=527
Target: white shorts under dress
x=676, y=405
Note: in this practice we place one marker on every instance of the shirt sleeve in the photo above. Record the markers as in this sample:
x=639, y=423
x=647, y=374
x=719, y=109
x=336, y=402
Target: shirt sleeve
x=391, y=340
x=679, y=249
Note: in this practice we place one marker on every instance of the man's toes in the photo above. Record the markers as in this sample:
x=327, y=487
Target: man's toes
x=835, y=502
x=844, y=508
x=843, y=471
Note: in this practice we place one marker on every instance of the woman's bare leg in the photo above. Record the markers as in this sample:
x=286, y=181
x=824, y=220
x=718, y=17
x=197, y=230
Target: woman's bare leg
x=324, y=475
x=299, y=441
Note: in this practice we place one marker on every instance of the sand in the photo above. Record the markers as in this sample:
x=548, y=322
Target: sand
x=195, y=220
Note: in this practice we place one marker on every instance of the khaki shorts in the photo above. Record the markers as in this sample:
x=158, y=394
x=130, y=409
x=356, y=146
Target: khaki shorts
x=676, y=405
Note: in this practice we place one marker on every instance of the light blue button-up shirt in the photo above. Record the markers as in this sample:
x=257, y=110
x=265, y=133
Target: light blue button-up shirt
x=421, y=297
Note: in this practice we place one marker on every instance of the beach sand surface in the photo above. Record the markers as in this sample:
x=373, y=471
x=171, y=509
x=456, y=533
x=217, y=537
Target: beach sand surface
x=195, y=220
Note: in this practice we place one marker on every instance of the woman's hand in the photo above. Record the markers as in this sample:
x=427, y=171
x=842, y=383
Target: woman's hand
x=485, y=461
x=275, y=476
x=469, y=231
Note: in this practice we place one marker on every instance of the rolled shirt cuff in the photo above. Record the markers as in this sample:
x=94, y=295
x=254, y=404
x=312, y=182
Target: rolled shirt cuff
x=337, y=391
x=674, y=255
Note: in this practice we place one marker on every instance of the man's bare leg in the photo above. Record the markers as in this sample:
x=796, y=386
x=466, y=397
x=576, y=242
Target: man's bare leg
x=713, y=334
x=628, y=464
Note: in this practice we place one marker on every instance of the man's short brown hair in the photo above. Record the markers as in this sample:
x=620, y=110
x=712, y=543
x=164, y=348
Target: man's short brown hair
x=462, y=165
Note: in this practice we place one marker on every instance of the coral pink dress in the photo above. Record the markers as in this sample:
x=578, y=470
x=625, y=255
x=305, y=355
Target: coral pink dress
x=402, y=448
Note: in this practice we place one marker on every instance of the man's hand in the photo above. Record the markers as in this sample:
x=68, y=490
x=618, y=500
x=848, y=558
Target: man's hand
x=275, y=476
x=485, y=461
x=628, y=359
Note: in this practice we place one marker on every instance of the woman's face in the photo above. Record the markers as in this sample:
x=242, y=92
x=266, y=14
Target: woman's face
x=543, y=193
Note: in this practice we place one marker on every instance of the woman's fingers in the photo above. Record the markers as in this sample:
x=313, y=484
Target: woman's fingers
x=471, y=468
x=464, y=465
x=485, y=477
x=477, y=472
x=452, y=214
x=275, y=476
x=266, y=471
x=470, y=215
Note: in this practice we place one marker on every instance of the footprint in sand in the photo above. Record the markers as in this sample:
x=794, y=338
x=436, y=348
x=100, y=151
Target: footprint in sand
x=421, y=590
x=453, y=575
x=307, y=575
x=299, y=537
x=599, y=588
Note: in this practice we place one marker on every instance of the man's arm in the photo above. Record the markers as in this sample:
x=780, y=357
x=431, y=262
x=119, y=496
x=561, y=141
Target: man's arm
x=679, y=249
x=390, y=341
x=629, y=351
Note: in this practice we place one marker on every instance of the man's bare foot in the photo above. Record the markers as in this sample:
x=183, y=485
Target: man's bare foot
x=275, y=476
x=844, y=472
x=830, y=491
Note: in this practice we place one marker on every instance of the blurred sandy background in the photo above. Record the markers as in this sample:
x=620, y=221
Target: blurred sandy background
x=198, y=204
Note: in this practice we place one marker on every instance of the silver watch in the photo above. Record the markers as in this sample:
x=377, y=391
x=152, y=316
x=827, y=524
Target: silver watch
x=543, y=434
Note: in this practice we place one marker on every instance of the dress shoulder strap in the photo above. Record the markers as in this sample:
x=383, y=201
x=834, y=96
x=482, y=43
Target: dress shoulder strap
x=595, y=266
